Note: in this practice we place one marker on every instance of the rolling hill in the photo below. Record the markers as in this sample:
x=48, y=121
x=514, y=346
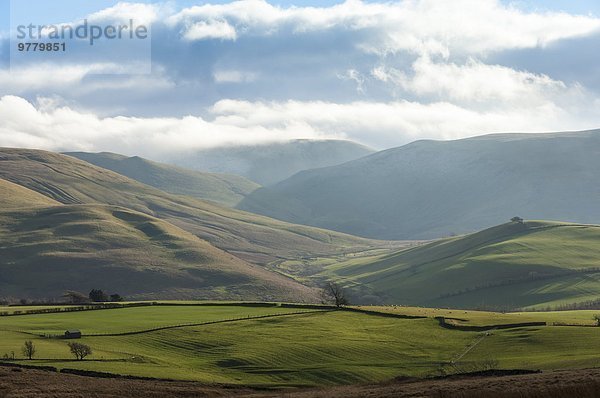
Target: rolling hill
x=47, y=248
x=224, y=189
x=535, y=264
x=13, y=196
x=433, y=189
x=255, y=238
x=270, y=163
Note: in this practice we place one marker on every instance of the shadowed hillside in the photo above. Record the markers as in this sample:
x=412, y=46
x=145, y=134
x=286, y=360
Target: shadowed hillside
x=221, y=188
x=432, y=189
x=256, y=238
x=45, y=251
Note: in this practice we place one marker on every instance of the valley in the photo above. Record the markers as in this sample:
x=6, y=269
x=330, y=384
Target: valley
x=231, y=299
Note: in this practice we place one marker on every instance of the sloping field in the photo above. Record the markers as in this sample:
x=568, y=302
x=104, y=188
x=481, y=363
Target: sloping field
x=532, y=265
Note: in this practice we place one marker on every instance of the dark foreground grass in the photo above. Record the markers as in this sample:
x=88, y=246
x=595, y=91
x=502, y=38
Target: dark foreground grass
x=563, y=384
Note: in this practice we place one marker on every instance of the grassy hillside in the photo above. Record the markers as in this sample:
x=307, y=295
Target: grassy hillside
x=45, y=251
x=433, y=189
x=536, y=264
x=270, y=163
x=252, y=346
x=13, y=196
x=256, y=238
x=225, y=189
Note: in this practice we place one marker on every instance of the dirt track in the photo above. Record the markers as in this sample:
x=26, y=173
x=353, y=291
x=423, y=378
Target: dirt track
x=23, y=383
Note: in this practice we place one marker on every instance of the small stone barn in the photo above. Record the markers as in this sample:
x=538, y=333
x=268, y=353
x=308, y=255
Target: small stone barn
x=73, y=334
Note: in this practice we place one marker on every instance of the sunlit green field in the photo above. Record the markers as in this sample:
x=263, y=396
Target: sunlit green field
x=483, y=318
x=277, y=346
x=124, y=320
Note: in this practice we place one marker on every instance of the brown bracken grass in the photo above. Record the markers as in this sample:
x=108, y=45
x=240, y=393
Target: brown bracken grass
x=25, y=383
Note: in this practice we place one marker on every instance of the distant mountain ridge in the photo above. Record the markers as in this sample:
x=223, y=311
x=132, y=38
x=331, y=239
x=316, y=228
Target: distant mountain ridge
x=225, y=189
x=268, y=164
x=432, y=189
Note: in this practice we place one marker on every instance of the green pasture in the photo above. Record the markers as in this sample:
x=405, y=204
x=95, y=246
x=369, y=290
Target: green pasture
x=286, y=347
x=488, y=318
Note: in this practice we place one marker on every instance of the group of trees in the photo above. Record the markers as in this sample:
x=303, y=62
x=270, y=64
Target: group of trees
x=80, y=351
x=95, y=295
x=98, y=296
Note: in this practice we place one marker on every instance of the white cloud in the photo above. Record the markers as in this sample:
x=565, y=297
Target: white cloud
x=210, y=30
x=36, y=75
x=142, y=14
x=62, y=128
x=474, y=81
x=383, y=73
x=396, y=122
x=399, y=122
x=423, y=27
x=71, y=79
x=242, y=122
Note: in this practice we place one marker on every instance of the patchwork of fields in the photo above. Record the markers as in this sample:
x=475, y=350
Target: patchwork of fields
x=275, y=346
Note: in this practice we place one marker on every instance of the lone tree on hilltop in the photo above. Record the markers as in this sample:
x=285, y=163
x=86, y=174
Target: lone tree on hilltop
x=80, y=351
x=518, y=220
x=334, y=293
x=28, y=349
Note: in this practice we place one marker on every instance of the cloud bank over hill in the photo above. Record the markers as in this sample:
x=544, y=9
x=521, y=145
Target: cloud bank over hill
x=382, y=73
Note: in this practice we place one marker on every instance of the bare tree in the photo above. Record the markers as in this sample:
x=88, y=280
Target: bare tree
x=334, y=293
x=80, y=351
x=28, y=349
x=75, y=297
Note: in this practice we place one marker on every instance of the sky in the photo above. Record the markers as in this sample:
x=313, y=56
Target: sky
x=382, y=73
